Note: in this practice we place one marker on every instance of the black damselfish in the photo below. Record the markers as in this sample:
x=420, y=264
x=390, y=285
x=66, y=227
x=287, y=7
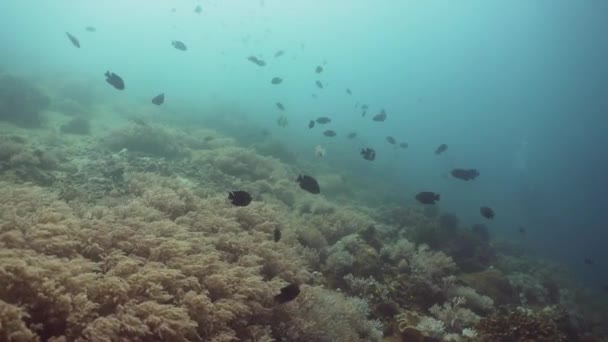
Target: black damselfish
x=239, y=198
x=115, y=80
x=288, y=293
x=309, y=184
x=159, y=99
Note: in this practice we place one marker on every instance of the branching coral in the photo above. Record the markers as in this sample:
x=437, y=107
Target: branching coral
x=519, y=325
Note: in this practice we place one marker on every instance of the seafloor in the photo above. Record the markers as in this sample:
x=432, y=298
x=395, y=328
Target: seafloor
x=115, y=226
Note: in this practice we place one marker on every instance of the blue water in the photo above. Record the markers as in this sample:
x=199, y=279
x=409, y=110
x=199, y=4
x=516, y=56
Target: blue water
x=517, y=89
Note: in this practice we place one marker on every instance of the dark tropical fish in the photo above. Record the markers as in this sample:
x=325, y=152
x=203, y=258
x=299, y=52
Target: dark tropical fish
x=309, y=184
x=323, y=120
x=288, y=293
x=391, y=140
x=522, y=230
x=279, y=53
x=482, y=231
x=115, y=80
x=465, y=174
x=403, y=145
x=487, y=212
x=319, y=69
x=179, y=45
x=348, y=91
x=427, y=197
x=311, y=124
x=589, y=261
x=277, y=234
x=280, y=106
x=329, y=133
x=351, y=135
x=319, y=84
x=256, y=60
x=239, y=198
x=380, y=116
x=282, y=121
x=442, y=148
x=90, y=29
x=159, y=99
x=73, y=39
x=198, y=9
x=208, y=138
x=368, y=153
x=276, y=80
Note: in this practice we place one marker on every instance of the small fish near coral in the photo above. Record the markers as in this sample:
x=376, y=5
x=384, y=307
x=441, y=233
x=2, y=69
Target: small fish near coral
x=276, y=80
x=330, y=133
x=319, y=69
x=239, y=198
x=257, y=61
x=277, y=234
x=380, y=117
x=427, y=197
x=311, y=124
x=368, y=153
x=465, y=174
x=323, y=120
x=115, y=80
x=391, y=140
x=487, y=212
x=179, y=45
x=158, y=99
x=73, y=39
x=442, y=148
x=288, y=293
x=309, y=184
x=280, y=106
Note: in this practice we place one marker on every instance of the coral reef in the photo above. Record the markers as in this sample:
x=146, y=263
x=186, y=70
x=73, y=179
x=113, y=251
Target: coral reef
x=21, y=102
x=78, y=125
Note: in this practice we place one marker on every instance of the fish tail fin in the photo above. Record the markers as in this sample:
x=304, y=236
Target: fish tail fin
x=437, y=197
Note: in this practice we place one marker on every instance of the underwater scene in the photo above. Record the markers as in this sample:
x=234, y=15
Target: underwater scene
x=270, y=170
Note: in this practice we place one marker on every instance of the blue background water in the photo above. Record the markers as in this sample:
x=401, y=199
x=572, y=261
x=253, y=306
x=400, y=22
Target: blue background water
x=517, y=89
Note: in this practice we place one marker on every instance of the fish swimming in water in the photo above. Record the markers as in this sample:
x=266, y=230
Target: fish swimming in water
x=159, y=99
x=239, y=198
x=277, y=234
x=348, y=91
x=309, y=184
x=522, y=230
x=391, y=140
x=329, y=133
x=90, y=29
x=115, y=80
x=256, y=60
x=198, y=9
x=280, y=106
x=279, y=53
x=427, y=197
x=319, y=84
x=276, y=80
x=380, y=116
x=323, y=120
x=282, y=121
x=73, y=39
x=351, y=135
x=319, y=69
x=403, y=145
x=487, y=212
x=442, y=148
x=311, y=124
x=368, y=153
x=465, y=174
x=319, y=151
x=288, y=293
x=364, y=109
x=179, y=45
